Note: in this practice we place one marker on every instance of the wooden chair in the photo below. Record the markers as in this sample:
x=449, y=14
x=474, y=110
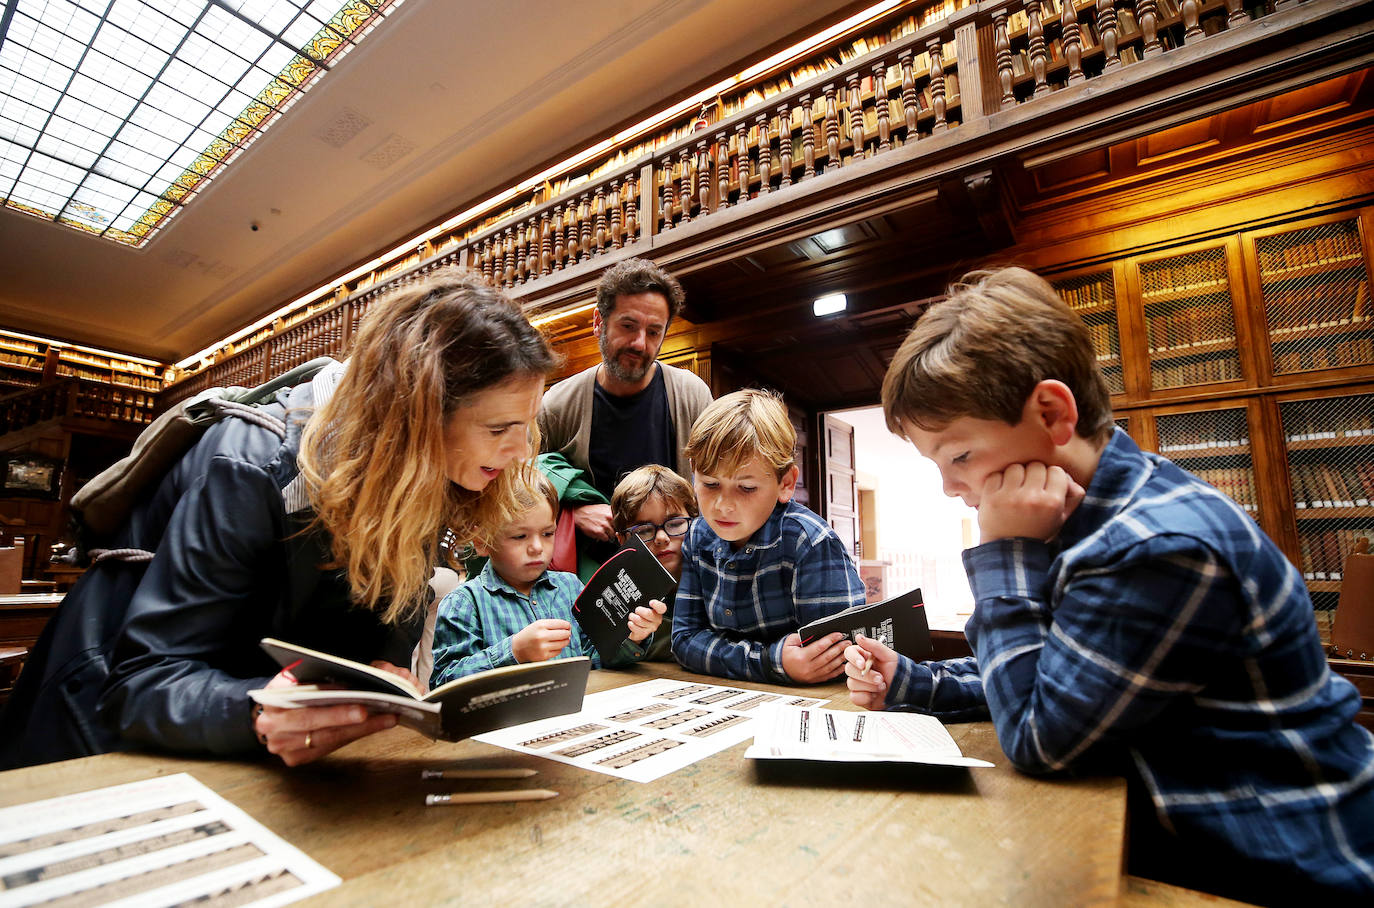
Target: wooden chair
x=1352, y=634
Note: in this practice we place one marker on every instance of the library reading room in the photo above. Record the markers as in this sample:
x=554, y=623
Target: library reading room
x=907, y=452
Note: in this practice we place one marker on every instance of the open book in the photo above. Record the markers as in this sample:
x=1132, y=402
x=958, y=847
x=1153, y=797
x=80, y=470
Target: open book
x=899, y=623
x=810, y=733
x=467, y=706
x=629, y=578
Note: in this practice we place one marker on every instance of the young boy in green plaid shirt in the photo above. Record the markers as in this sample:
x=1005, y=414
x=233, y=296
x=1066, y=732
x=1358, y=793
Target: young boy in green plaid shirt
x=516, y=609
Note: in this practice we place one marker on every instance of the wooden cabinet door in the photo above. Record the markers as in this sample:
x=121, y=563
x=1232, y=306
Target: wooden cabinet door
x=841, y=490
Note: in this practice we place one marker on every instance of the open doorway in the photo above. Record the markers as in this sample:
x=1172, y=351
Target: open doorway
x=910, y=533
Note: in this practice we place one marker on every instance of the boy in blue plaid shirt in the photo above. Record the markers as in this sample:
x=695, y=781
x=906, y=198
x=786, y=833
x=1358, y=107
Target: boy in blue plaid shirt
x=1128, y=616
x=516, y=609
x=756, y=565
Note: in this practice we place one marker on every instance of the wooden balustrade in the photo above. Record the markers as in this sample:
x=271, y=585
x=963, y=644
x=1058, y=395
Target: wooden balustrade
x=870, y=106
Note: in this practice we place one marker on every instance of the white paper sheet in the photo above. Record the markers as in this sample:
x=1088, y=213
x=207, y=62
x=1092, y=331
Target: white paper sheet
x=786, y=732
x=645, y=731
x=165, y=841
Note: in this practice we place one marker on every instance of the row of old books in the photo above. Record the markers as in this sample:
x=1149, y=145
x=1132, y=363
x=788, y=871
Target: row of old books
x=1236, y=483
x=1104, y=340
x=1195, y=372
x=1213, y=436
x=1332, y=485
x=68, y=370
x=1329, y=304
x=1345, y=423
x=1199, y=326
x=1324, y=551
x=1092, y=295
x=1205, y=274
x=1337, y=353
x=1294, y=251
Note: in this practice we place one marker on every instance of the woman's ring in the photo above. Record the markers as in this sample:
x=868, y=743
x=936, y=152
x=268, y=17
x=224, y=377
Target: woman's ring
x=307, y=740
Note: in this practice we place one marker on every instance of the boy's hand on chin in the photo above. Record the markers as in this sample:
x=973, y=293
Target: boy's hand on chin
x=1028, y=500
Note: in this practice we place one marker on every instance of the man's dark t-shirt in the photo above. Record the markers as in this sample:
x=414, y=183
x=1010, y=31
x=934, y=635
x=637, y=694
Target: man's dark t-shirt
x=629, y=432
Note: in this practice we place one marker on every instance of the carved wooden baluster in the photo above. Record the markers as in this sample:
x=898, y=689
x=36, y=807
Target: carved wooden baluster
x=600, y=221
x=856, y=116
x=722, y=171
x=765, y=154
x=1002, y=43
x=570, y=233
x=1106, y=30
x=808, y=139
x=742, y=161
x=1147, y=14
x=1073, y=41
x=488, y=262
x=688, y=187
x=532, y=271
x=666, y=204
x=521, y=254
x=703, y=178
x=910, y=109
x=545, y=244
x=631, y=210
x=584, y=211
x=615, y=215
x=832, y=130
x=880, y=100
x=1191, y=28
x=1235, y=13
x=558, y=247
x=785, y=144
x=935, y=47
x=1038, y=58
x=508, y=276
x=498, y=261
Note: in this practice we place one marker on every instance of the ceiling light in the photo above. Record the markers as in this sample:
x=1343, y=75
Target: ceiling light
x=829, y=304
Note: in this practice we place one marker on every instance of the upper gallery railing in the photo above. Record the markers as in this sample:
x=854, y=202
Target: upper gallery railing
x=924, y=71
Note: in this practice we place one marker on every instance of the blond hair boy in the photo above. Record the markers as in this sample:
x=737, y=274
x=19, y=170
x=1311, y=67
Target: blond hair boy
x=1127, y=614
x=757, y=565
x=657, y=505
x=516, y=609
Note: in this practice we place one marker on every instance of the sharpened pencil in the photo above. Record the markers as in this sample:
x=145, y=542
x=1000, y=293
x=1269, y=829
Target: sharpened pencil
x=489, y=797
x=511, y=773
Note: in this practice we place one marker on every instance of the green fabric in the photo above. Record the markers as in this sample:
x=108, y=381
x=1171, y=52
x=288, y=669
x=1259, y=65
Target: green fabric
x=573, y=491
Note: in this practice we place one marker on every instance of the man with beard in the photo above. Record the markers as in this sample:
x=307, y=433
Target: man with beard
x=628, y=410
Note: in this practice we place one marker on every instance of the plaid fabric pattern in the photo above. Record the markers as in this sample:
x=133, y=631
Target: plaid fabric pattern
x=1164, y=633
x=735, y=607
x=473, y=629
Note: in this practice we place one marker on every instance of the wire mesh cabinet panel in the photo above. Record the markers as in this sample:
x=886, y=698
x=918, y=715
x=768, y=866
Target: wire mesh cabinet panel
x=1330, y=447
x=1316, y=297
x=1213, y=445
x=1190, y=319
x=1092, y=297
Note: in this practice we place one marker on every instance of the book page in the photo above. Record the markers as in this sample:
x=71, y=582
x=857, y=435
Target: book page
x=163, y=841
x=788, y=732
x=644, y=731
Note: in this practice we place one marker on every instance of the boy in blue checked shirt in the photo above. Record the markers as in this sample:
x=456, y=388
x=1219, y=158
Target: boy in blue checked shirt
x=516, y=609
x=757, y=565
x=1128, y=617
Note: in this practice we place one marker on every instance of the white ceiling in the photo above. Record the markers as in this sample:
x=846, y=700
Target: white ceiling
x=455, y=99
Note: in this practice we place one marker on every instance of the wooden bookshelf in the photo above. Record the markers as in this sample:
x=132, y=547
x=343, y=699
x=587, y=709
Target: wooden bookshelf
x=1092, y=295
x=1189, y=318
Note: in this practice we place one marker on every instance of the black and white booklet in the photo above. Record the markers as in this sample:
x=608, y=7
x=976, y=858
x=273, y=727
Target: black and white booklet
x=898, y=623
x=629, y=578
x=466, y=706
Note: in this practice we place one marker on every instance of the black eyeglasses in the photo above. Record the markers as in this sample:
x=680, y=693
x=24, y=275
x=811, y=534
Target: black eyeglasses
x=673, y=526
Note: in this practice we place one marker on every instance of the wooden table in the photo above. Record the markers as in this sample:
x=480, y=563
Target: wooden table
x=721, y=831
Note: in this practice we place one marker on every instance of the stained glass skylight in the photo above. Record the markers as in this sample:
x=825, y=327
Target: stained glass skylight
x=115, y=113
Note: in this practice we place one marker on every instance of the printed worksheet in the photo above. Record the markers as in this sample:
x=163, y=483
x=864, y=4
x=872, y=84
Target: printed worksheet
x=786, y=732
x=165, y=841
x=645, y=731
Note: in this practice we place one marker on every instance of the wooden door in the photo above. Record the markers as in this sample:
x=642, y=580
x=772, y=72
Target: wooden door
x=841, y=492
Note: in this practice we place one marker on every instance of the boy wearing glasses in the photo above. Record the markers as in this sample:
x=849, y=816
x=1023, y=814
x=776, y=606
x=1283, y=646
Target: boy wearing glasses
x=657, y=505
x=757, y=565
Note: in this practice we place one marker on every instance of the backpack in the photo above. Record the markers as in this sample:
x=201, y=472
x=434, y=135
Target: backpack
x=103, y=504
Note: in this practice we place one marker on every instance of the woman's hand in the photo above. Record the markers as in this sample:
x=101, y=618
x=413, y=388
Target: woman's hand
x=306, y=734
